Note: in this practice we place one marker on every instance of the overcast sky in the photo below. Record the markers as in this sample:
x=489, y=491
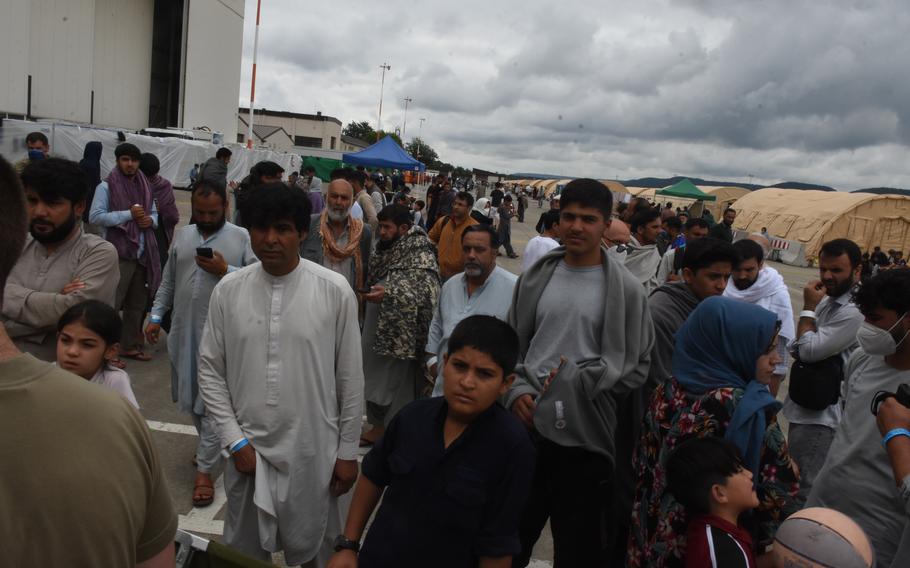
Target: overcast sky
x=815, y=91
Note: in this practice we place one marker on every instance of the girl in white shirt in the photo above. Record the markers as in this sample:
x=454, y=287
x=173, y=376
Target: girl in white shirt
x=88, y=339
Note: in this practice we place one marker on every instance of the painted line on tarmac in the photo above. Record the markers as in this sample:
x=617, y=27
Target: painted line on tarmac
x=216, y=528
x=170, y=428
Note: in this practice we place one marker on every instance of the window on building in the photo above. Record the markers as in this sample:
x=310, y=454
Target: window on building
x=240, y=138
x=333, y=143
x=308, y=141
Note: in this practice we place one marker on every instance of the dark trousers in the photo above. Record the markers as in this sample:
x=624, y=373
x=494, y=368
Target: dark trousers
x=571, y=488
x=505, y=238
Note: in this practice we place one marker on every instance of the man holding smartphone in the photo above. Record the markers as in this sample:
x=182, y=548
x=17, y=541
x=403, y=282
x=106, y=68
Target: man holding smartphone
x=200, y=256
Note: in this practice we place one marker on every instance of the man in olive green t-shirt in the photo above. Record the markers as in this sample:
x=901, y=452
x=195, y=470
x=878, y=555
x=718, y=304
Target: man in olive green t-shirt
x=80, y=482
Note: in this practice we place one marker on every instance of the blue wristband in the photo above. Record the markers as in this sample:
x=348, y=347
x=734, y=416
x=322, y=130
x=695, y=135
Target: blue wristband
x=244, y=442
x=893, y=434
x=155, y=319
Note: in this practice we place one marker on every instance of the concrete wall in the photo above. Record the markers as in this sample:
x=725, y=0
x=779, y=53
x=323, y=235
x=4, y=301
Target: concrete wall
x=122, y=62
x=14, y=49
x=212, y=65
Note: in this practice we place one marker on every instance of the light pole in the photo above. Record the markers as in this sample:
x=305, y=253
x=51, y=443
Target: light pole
x=385, y=67
x=249, y=132
x=419, y=142
x=404, y=128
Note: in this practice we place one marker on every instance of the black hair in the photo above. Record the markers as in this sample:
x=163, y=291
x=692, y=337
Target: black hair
x=674, y=223
x=466, y=197
x=340, y=173
x=507, y=198
x=127, y=149
x=309, y=170
x=55, y=178
x=33, y=137
x=13, y=221
x=587, y=192
x=358, y=177
x=702, y=253
x=149, y=164
x=204, y=189
x=268, y=168
x=696, y=466
x=223, y=153
x=488, y=335
x=420, y=203
x=549, y=218
x=747, y=249
x=838, y=247
x=887, y=289
x=96, y=316
x=621, y=207
x=637, y=203
x=729, y=209
x=642, y=218
x=398, y=214
x=483, y=228
x=695, y=222
x=273, y=202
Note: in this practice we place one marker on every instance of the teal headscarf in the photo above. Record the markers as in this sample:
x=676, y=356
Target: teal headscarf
x=718, y=347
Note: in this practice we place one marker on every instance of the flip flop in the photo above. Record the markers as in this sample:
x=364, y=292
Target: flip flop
x=137, y=355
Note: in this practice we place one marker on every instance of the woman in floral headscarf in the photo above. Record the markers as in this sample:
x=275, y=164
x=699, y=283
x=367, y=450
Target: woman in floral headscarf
x=724, y=358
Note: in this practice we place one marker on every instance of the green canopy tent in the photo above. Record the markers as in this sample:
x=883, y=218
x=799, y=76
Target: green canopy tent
x=685, y=189
x=323, y=166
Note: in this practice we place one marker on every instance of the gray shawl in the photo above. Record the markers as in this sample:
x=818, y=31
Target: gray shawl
x=579, y=409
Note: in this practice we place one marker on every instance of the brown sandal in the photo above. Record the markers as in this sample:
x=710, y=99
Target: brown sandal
x=137, y=355
x=203, y=494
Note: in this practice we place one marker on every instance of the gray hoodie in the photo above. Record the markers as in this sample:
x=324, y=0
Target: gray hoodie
x=579, y=410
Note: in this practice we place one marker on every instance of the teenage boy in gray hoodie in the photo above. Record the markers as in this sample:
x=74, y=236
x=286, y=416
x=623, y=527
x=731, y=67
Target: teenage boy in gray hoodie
x=585, y=336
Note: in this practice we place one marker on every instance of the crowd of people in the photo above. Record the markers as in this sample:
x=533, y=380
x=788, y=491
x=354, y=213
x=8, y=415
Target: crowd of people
x=623, y=388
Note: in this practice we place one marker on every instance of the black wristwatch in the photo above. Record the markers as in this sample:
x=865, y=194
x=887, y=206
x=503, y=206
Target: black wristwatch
x=344, y=543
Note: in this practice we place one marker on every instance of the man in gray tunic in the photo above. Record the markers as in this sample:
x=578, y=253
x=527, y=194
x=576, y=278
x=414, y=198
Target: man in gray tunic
x=185, y=290
x=60, y=265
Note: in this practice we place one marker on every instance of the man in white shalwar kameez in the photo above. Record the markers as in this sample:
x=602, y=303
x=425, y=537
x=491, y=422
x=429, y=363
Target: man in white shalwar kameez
x=280, y=370
x=185, y=290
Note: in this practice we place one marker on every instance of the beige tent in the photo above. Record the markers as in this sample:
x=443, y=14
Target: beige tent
x=614, y=186
x=726, y=196
x=637, y=190
x=814, y=217
x=551, y=187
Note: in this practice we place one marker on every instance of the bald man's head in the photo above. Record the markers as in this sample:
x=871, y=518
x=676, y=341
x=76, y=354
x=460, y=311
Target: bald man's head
x=763, y=241
x=617, y=233
x=339, y=199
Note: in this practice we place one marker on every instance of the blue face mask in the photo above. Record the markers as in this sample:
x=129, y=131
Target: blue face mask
x=35, y=155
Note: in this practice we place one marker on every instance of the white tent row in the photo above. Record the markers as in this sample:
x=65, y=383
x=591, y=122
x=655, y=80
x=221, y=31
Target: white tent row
x=176, y=155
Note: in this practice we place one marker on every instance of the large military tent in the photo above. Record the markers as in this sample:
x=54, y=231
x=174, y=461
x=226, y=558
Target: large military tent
x=725, y=196
x=813, y=217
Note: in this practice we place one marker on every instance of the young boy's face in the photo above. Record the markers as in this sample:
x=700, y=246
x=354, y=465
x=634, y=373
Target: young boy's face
x=739, y=492
x=472, y=382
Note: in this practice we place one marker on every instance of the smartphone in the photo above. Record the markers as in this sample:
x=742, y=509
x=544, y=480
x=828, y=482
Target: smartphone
x=205, y=251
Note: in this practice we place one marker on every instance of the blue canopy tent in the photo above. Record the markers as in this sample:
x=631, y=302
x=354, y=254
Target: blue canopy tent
x=384, y=154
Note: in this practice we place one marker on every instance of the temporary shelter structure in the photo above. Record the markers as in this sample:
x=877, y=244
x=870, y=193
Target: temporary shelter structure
x=812, y=218
x=685, y=189
x=384, y=154
x=725, y=197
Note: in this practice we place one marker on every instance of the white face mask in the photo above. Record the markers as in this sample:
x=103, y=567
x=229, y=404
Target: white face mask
x=877, y=341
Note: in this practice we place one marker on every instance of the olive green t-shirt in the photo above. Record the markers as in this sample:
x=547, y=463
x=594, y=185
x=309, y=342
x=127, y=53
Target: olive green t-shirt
x=80, y=480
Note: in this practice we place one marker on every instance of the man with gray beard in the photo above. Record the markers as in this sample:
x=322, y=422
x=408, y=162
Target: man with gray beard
x=482, y=289
x=338, y=241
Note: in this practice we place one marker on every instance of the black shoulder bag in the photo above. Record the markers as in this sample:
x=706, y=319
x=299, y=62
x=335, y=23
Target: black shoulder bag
x=816, y=386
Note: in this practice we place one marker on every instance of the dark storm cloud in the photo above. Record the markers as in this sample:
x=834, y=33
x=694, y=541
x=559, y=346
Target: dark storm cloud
x=772, y=89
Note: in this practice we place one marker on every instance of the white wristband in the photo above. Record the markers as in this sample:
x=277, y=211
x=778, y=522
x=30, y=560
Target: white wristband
x=807, y=314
